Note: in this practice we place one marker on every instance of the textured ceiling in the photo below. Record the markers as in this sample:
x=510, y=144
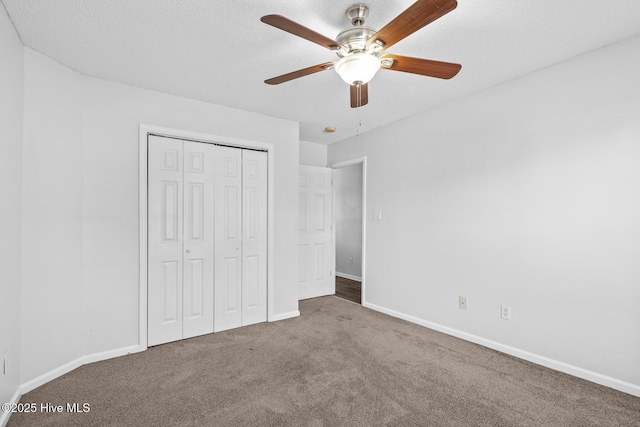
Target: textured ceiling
x=218, y=51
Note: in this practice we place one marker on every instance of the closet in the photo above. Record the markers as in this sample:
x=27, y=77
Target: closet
x=207, y=238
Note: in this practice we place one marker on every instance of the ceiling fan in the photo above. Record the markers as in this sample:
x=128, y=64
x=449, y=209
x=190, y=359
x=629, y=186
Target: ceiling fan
x=359, y=47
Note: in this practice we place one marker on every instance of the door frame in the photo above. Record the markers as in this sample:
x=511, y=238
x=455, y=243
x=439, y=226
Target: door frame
x=144, y=131
x=344, y=164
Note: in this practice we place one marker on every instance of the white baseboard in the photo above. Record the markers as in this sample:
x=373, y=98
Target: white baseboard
x=4, y=416
x=284, y=316
x=74, y=364
x=349, y=276
x=595, y=377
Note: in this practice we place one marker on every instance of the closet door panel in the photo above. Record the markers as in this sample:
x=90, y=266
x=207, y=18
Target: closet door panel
x=165, y=260
x=228, y=238
x=254, y=237
x=198, y=278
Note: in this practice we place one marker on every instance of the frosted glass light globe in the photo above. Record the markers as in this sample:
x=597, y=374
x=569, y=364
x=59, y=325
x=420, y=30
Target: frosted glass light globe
x=358, y=67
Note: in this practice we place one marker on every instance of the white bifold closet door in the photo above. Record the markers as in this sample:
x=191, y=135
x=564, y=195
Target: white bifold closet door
x=207, y=238
x=241, y=228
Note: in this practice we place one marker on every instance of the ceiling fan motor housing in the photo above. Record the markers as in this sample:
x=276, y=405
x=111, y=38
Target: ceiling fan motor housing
x=354, y=39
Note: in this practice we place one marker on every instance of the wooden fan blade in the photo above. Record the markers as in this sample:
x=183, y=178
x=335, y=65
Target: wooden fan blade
x=286, y=24
x=424, y=67
x=359, y=95
x=300, y=73
x=418, y=15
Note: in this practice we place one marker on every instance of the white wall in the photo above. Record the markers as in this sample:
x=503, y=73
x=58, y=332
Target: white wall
x=52, y=216
x=526, y=194
x=81, y=136
x=347, y=190
x=11, y=90
x=313, y=154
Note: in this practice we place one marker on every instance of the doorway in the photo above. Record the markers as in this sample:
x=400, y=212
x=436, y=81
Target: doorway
x=349, y=181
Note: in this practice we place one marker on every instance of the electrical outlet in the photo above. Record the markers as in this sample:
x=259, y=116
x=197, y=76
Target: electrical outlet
x=462, y=303
x=505, y=312
x=377, y=215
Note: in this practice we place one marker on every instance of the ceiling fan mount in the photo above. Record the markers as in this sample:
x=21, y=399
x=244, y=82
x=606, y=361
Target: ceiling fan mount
x=357, y=14
x=359, y=47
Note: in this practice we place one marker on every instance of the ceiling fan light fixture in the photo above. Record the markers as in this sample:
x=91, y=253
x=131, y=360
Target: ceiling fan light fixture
x=358, y=67
x=359, y=46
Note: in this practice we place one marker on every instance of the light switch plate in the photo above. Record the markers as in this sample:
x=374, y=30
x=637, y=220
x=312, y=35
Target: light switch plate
x=377, y=215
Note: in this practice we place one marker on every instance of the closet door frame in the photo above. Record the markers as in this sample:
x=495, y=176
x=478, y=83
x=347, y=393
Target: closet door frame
x=144, y=132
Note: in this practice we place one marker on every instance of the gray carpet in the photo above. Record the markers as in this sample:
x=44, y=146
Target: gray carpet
x=337, y=364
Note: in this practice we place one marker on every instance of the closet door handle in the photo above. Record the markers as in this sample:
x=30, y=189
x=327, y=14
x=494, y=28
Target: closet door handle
x=188, y=251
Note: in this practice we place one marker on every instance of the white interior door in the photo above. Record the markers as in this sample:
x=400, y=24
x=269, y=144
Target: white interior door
x=315, y=244
x=228, y=225
x=254, y=237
